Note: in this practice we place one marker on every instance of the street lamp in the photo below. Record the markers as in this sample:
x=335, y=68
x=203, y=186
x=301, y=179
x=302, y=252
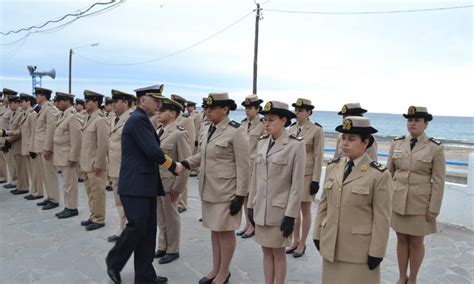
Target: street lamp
x=70, y=59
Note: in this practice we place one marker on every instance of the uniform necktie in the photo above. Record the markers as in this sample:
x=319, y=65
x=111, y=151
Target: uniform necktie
x=88, y=117
x=299, y=131
x=348, y=170
x=117, y=118
x=161, y=132
x=212, y=129
x=62, y=114
x=249, y=125
x=412, y=143
x=272, y=142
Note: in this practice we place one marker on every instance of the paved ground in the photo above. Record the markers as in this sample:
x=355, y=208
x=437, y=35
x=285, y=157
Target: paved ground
x=36, y=247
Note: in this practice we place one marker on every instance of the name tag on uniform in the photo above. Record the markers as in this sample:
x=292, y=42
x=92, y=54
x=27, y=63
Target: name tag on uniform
x=397, y=151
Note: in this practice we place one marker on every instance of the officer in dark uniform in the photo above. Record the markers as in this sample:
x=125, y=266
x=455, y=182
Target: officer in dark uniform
x=139, y=185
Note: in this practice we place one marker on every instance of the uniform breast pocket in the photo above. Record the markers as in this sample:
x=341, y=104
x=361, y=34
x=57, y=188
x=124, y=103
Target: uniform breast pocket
x=360, y=196
x=167, y=148
x=424, y=163
x=277, y=165
x=223, y=148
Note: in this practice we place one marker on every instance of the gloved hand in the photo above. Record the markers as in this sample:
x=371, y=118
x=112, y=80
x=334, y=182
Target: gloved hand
x=313, y=187
x=316, y=243
x=250, y=215
x=33, y=155
x=236, y=205
x=287, y=226
x=185, y=164
x=373, y=262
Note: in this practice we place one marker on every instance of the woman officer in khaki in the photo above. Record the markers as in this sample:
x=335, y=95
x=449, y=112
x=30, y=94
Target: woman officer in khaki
x=254, y=127
x=313, y=138
x=417, y=165
x=275, y=191
x=353, y=222
x=223, y=176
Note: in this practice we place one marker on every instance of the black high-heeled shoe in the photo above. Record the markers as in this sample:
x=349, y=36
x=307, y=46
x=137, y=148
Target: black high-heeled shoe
x=291, y=250
x=299, y=254
x=206, y=280
x=227, y=279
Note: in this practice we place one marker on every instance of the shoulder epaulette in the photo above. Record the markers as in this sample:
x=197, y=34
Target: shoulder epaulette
x=73, y=111
x=234, y=124
x=101, y=114
x=399, y=138
x=262, y=119
x=378, y=166
x=334, y=160
x=318, y=124
x=180, y=127
x=293, y=123
x=245, y=119
x=186, y=114
x=436, y=141
x=264, y=136
x=296, y=137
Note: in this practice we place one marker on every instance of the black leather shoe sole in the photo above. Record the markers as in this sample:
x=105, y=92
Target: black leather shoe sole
x=160, y=253
x=17, y=192
x=9, y=186
x=86, y=222
x=94, y=226
x=68, y=214
x=50, y=205
x=169, y=257
x=42, y=203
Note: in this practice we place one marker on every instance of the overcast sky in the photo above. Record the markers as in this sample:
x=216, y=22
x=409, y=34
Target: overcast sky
x=386, y=62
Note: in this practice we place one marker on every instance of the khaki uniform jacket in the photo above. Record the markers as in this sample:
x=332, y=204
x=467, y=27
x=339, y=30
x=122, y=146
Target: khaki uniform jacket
x=110, y=116
x=155, y=121
x=418, y=175
x=15, y=131
x=44, y=128
x=313, y=138
x=197, y=118
x=115, y=144
x=202, y=127
x=175, y=143
x=223, y=163
x=68, y=138
x=95, y=142
x=354, y=216
x=254, y=132
x=188, y=124
x=27, y=129
x=4, y=121
x=372, y=151
x=277, y=183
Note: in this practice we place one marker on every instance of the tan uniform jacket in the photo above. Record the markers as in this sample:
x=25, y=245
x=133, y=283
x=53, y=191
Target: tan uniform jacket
x=4, y=121
x=44, y=128
x=313, y=138
x=418, y=175
x=277, y=183
x=197, y=118
x=15, y=131
x=68, y=138
x=188, y=124
x=175, y=144
x=254, y=132
x=372, y=151
x=202, y=128
x=27, y=129
x=95, y=143
x=115, y=144
x=155, y=121
x=223, y=163
x=110, y=116
x=354, y=216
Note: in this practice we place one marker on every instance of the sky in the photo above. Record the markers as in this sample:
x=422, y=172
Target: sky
x=386, y=62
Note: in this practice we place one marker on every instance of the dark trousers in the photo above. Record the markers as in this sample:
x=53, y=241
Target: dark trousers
x=139, y=237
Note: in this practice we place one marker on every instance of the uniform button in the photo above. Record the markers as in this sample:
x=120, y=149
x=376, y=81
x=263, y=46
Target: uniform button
x=339, y=189
x=335, y=222
x=337, y=206
x=265, y=179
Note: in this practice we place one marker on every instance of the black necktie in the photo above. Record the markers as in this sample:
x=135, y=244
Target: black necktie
x=212, y=129
x=272, y=142
x=412, y=143
x=161, y=132
x=62, y=114
x=88, y=117
x=299, y=131
x=117, y=118
x=249, y=125
x=348, y=170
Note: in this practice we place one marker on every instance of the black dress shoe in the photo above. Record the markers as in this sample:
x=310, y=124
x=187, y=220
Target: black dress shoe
x=240, y=233
x=43, y=203
x=299, y=254
x=9, y=186
x=181, y=209
x=246, y=236
x=113, y=238
x=50, y=205
x=160, y=253
x=169, y=257
x=16, y=192
x=68, y=214
x=86, y=222
x=80, y=180
x=109, y=188
x=28, y=196
x=114, y=275
x=3, y=181
x=94, y=226
x=34, y=197
x=59, y=213
x=206, y=280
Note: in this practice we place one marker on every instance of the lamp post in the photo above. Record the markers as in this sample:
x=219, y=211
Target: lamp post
x=70, y=59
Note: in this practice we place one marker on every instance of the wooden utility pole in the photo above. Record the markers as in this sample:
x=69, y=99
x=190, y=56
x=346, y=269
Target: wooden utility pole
x=70, y=66
x=255, y=50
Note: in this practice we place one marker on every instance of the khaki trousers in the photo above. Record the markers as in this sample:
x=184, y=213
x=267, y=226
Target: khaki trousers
x=183, y=198
x=169, y=224
x=70, y=186
x=95, y=188
x=11, y=167
x=21, y=164
x=49, y=177
x=3, y=167
x=35, y=175
x=118, y=205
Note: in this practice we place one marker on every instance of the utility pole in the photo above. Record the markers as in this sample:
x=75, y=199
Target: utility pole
x=70, y=67
x=255, y=50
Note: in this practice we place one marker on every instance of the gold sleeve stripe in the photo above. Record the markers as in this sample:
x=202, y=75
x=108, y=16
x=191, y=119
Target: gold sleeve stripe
x=168, y=162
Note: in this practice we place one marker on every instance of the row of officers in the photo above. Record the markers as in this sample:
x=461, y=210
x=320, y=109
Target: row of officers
x=267, y=165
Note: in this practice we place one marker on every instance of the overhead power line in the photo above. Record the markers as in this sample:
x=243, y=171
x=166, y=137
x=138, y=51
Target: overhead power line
x=173, y=53
x=370, y=12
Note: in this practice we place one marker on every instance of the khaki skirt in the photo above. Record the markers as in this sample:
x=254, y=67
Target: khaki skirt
x=305, y=196
x=271, y=237
x=414, y=225
x=339, y=272
x=216, y=217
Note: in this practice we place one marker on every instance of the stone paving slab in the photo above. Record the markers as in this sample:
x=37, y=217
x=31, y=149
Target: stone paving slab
x=36, y=247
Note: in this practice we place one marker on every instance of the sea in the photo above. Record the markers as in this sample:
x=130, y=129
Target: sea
x=449, y=129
